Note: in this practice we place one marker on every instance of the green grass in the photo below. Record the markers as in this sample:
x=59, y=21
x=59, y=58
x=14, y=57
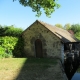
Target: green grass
x=41, y=60
x=28, y=68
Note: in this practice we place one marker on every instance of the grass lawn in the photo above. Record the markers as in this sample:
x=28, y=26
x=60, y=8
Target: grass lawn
x=27, y=68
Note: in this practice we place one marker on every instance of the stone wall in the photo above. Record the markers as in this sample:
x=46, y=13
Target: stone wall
x=50, y=43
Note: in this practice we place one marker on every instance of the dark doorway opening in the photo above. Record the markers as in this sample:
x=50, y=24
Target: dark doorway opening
x=38, y=48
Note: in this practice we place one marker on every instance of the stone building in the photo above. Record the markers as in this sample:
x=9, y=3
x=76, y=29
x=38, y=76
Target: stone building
x=44, y=40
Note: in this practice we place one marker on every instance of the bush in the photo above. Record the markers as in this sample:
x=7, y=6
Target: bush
x=10, y=41
x=3, y=54
x=7, y=45
x=10, y=31
x=18, y=49
x=2, y=51
x=15, y=32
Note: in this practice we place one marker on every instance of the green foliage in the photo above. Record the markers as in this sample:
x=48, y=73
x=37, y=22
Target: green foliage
x=2, y=30
x=67, y=26
x=10, y=31
x=2, y=52
x=7, y=44
x=48, y=6
x=77, y=35
x=75, y=28
x=10, y=41
x=18, y=49
x=59, y=25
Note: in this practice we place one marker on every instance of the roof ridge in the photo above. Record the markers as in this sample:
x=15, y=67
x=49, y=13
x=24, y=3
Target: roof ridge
x=62, y=34
x=44, y=22
x=59, y=32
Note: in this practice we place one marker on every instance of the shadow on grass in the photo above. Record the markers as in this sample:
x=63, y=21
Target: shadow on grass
x=36, y=69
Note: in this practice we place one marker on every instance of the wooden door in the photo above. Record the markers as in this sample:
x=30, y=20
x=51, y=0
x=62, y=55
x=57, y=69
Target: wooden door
x=38, y=48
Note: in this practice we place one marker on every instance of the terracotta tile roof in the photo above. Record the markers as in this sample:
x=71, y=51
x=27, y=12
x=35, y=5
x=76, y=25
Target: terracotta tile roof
x=64, y=35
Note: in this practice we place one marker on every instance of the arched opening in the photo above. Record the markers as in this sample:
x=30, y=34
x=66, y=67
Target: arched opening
x=38, y=48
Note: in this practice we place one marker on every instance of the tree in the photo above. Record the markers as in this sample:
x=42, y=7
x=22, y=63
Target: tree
x=48, y=6
x=77, y=35
x=10, y=31
x=75, y=28
x=59, y=25
x=67, y=26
